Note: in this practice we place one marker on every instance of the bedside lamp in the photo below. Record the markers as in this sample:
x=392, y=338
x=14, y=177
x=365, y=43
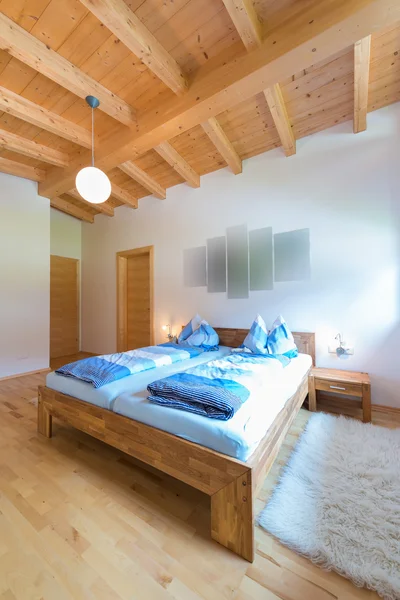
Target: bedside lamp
x=169, y=334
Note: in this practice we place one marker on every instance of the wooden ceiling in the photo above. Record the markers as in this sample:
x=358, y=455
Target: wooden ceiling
x=186, y=86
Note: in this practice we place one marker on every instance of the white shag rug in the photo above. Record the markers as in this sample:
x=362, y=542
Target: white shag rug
x=338, y=501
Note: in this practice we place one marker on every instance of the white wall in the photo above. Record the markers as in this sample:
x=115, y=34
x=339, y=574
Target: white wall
x=344, y=187
x=24, y=277
x=65, y=235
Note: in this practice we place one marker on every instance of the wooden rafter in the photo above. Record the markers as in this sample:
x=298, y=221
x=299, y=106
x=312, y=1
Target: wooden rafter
x=362, y=53
x=248, y=26
x=31, y=51
x=276, y=105
x=143, y=178
x=117, y=192
x=32, y=113
x=71, y=209
x=322, y=29
x=123, y=196
x=104, y=208
x=127, y=27
x=11, y=167
x=28, y=111
x=168, y=153
x=246, y=21
x=218, y=137
x=21, y=145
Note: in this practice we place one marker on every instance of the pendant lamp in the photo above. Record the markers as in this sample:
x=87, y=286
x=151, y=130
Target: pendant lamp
x=92, y=183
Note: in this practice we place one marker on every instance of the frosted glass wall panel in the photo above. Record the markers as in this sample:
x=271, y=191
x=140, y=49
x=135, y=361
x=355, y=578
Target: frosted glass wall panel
x=238, y=261
x=292, y=255
x=216, y=264
x=261, y=259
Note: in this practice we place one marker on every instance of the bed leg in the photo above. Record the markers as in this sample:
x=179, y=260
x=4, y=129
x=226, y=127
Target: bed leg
x=44, y=422
x=312, y=394
x=232, y=523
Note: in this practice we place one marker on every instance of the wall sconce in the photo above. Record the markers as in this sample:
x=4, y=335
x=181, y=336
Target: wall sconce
x=340, y=350
x=167, y=328
x=343, y=349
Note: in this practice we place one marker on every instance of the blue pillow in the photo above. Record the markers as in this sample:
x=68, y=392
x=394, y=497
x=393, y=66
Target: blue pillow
x=280, y=339
x=204, y=337
x=257, y=338
x=190, y=328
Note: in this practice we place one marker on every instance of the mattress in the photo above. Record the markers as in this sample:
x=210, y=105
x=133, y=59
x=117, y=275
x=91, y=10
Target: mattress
x=239, y=436
x=104, y=396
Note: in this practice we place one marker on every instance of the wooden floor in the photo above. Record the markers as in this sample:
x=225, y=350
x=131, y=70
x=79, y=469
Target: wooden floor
x=80, y=520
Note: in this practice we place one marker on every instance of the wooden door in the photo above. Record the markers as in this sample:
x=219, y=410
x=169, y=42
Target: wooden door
x=135, y=298
x=64, y=306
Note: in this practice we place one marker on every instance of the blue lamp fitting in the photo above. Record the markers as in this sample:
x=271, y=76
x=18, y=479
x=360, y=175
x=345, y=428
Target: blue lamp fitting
x=92, y=101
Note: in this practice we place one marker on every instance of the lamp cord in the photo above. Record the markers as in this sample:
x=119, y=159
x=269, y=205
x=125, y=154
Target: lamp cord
x=92, y=137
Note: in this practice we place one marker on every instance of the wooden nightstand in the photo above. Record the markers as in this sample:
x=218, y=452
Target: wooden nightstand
x=346, y=383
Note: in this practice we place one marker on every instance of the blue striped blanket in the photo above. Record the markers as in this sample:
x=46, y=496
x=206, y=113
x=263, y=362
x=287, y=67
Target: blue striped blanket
x=219, y=388
x=100, y=370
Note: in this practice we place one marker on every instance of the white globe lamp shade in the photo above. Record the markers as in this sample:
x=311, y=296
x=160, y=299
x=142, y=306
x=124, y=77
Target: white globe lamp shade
x=93, y=185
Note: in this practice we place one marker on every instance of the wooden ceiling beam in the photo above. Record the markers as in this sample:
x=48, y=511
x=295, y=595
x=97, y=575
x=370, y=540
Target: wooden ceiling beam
x=104, y=208
x=128, y=28
x=177, y=162
x=218, y=137
x=144, y=179
x=322, y=29
x=75, y=211
x=20, y=145
x=11, y=167
x=123, y=196
x=28, y=111
x=276, y=105
x=116, y=191
x=32, y=113
x=246, y=21
x=34, y=53
x=362, y=54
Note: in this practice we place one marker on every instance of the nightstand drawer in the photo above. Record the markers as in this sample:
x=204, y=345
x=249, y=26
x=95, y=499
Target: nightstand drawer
x=337, y=387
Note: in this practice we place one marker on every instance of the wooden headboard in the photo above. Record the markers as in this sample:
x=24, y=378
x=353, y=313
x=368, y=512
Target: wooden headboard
x=234, y=337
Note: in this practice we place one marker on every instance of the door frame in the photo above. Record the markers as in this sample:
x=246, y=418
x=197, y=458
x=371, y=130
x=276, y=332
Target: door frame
x=122, y=289
x=78, y=299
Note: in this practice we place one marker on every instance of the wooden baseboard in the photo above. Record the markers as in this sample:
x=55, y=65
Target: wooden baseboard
x=380, y=408
x=36, y=372
x=383, y=415
x=352, y=408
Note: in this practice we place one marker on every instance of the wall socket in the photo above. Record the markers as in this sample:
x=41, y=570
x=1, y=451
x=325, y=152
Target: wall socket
x=348, y=349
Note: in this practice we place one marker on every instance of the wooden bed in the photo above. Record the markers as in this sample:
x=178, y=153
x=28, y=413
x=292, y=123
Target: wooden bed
x=230, y=483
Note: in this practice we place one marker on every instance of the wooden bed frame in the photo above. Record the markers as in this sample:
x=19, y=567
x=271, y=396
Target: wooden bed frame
x=232, y=484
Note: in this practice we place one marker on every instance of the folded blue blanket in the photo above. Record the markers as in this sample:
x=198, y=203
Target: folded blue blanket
x=215, y=398
x=217, y=389
x=100, y=370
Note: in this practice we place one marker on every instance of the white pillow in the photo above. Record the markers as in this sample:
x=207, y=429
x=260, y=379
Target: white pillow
x=204, y=337
x=257, y=338
x=190, y=328
x=281, y=340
